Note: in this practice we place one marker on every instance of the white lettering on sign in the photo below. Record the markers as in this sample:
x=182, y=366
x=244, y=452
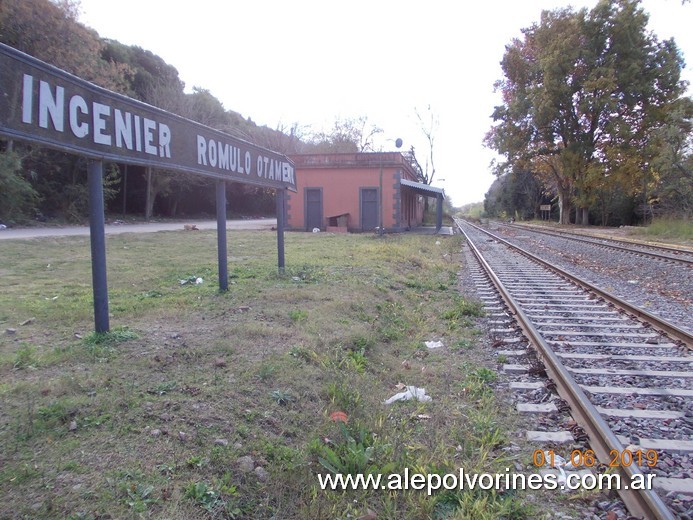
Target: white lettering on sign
x=100, y=114
x=228, y=157
x=27, y=105
x=77, y=104
x=288, y=173
x=101, y=122
x=274, y=170
x=248, y=162
x=149, y=127
x=138, y=134
x=49, y=105
x=221, y=155
x=123, y=129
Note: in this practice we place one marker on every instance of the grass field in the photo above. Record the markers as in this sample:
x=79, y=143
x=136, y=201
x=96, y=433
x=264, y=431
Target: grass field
x=206, y=405
x=671, y=229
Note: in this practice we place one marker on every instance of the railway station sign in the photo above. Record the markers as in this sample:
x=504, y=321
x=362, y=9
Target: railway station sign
x=48, y=106
x=42, y=104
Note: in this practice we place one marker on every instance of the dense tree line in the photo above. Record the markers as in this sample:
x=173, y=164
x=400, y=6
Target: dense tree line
x=41, y=183
x=594, y=117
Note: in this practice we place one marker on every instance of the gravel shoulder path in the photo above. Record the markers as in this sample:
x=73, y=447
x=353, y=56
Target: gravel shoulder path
x=147, y=227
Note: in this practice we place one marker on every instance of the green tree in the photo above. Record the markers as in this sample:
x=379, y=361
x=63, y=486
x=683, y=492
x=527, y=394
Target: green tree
x=18, y=199
x=583, y=93
x=50, y=32
x=672, y=167
x=516, y=194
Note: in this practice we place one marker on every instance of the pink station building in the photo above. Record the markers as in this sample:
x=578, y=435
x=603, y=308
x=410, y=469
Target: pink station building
x=359, y=192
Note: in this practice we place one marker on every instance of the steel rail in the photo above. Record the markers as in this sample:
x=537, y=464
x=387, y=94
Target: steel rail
x=644, y=503
x=659, y=323
x=595, y=240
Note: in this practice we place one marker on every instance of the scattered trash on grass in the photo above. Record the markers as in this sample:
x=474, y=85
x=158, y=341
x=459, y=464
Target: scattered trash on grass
x=190, y=227
x=316, y=230
x=433, y=344
x=191, y=280
x=412, y=392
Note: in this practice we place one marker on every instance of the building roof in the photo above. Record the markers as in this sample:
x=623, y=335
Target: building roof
x=372, y=160
x=424, y=189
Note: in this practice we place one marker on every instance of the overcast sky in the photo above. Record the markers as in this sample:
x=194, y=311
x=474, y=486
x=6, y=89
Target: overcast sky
x=311, y=62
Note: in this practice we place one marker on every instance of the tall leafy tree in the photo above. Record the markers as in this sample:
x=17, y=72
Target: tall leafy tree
x=583, y=93
x=18, y=198
x=50, y=32
x=672, y=168
x=517, y=194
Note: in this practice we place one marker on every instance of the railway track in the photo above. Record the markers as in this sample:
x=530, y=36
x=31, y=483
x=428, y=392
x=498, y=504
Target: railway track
x=625, y=376
x=660, y=286
x=658, y=251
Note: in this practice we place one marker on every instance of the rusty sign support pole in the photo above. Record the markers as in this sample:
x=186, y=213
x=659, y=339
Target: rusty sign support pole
x=222, y=249
x=97, y=237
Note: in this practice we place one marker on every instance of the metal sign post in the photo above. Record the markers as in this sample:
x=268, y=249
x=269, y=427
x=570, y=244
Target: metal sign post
x=281, y=211
x=97, y=237
x=222, y=251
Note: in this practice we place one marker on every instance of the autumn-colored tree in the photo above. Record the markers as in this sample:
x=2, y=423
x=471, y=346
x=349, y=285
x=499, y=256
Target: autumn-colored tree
x=583, y=94
x=50, y=32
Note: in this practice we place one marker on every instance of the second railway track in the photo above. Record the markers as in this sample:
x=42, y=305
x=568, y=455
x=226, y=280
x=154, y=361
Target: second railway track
x=626, y=376
x=658, y=251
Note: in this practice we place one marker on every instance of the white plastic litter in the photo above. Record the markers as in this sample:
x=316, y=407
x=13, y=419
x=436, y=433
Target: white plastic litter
x=192, y=280
x=560, y=464
x=433, y=344
x=316, y=230
x=411, y=392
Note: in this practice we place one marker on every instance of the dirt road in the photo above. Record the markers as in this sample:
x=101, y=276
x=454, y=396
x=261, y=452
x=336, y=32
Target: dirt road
x=149, y=227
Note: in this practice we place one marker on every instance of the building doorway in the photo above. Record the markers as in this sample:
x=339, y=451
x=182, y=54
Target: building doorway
x=313, y=208
x=369, y=209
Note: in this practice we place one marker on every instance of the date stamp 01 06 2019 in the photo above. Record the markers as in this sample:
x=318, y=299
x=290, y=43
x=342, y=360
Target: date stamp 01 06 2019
x=588, y=459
